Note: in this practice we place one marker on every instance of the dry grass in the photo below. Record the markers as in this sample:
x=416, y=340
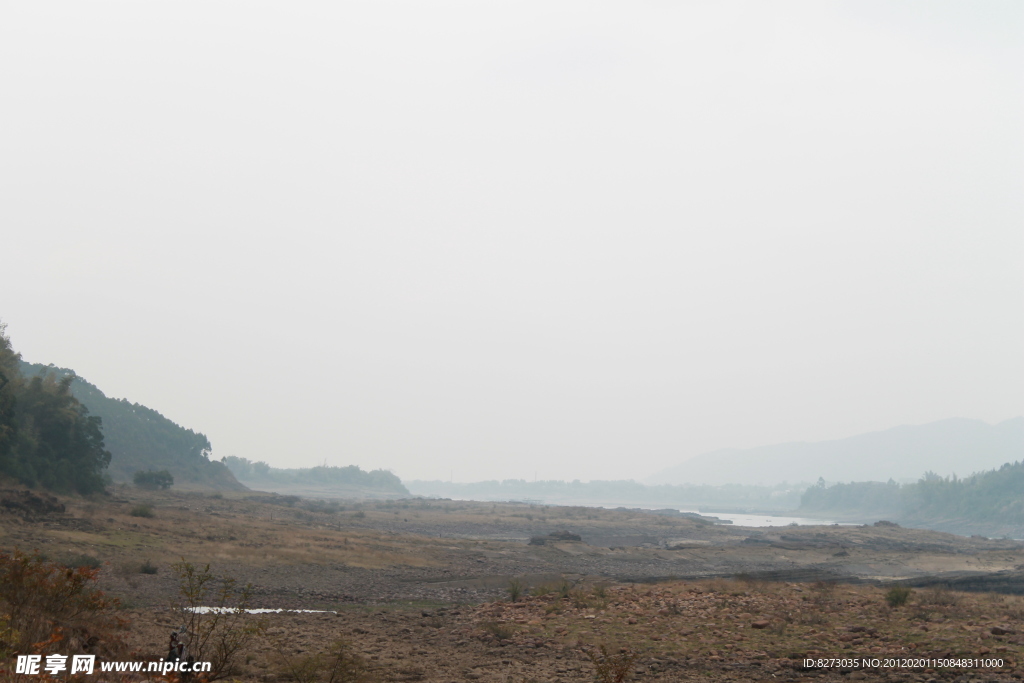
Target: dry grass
x=701, y=624
x=258, y=530
x=224, y=530
x=706, y=619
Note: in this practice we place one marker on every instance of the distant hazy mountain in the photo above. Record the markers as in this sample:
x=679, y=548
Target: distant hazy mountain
x=956, y=445
x=140, y=438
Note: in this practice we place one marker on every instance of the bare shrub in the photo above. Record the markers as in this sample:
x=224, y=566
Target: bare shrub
x=213, y=613
x=579, y=598
x=939, y=596
x=611, y=668
x=79, y=561
x=824, y=588
x=339, y=664
x=498, y=629
x=823, y=593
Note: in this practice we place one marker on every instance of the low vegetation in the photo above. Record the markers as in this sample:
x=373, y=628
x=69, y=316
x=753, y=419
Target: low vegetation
x=612, y=667
x=143, y=510
x=48, y=607
x=153, y=480
x=338, y=663
x=79, y=561
x=897, y=596
x=707, y=630
x=411, y=604
x=212, y=610
x=515, y=589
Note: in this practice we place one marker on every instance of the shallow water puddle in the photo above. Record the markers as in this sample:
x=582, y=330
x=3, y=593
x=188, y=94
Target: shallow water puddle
x=258, y=610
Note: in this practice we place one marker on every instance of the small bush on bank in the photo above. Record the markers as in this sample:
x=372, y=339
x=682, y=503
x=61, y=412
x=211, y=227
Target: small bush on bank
x=80, y=561
x=152, y=480
x=223, y=635
x=612, y=668
x=897, y=595
x=339, y=664
x=515, y=589
x=142, y=510
x=499, y=630
x=939, y=596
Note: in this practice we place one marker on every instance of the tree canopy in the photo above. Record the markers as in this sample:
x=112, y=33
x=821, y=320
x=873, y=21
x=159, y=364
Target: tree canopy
x=149, y=479
x=47, y=437
x=989, y=500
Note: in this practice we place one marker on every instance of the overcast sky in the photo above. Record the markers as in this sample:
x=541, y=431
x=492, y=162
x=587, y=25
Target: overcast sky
x=514, y=239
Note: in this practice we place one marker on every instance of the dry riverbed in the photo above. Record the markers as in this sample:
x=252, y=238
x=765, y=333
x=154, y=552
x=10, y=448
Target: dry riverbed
x=421, y=588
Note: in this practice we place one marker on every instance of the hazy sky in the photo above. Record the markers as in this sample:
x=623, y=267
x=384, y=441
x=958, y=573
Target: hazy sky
x=513, y=239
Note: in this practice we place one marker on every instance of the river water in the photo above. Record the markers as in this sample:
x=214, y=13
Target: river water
x=752, y=519
x=746, y=519
x=257, y=610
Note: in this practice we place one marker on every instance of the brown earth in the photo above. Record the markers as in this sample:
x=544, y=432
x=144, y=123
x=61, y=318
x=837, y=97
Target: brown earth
x=415, y=585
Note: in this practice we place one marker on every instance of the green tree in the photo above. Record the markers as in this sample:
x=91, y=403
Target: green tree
x=9, y=382
x=47, y=438
x=149, y=479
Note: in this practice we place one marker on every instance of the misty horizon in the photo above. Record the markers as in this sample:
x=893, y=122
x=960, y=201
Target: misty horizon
x=904, y=453
x=517, y=240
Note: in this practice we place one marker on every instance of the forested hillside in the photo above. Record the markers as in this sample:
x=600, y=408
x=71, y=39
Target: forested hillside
x=140, y=438
x=47, y=437
x=990, y=503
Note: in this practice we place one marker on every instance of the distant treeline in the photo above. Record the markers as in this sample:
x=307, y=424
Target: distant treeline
x=343, y=477
x=736, y=497
x=992, y=499
x=855, y=499
x=47, y=438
